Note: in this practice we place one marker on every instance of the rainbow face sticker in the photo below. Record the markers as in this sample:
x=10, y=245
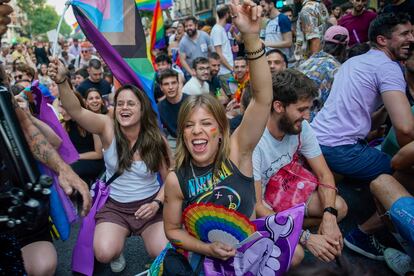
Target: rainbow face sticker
x=214, y=132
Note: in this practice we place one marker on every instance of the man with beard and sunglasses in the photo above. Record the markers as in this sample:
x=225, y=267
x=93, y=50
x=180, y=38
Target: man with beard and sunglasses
x=222, y=44
x=194, y=44
x=354, y=107
x=288, y=132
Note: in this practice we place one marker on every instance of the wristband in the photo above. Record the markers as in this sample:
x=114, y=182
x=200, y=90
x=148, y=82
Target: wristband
x=256, y=52
x=61, y=81
x=262, y=54
x=331, y=210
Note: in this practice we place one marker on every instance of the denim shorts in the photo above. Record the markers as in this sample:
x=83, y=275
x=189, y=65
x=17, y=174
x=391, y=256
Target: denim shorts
x=402, y=216
x=358, y=161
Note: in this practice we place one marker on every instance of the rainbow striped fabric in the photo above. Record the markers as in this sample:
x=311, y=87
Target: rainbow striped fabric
x=76, y=28
x=115, y=29
x=157, y=28
x=150, y=4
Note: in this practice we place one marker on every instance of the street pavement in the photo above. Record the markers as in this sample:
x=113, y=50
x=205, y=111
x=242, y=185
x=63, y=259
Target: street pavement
x=138, y=260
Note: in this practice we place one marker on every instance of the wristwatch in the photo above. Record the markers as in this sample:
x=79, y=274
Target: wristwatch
x=159, y=203
x=331, y=210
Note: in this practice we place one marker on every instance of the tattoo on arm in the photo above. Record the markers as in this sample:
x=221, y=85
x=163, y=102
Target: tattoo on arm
x=42, y=150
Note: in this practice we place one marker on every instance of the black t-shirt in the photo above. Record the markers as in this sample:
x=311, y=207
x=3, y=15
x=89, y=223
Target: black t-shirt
x=169, y=114
x=41, y=55
x=82, y=144
x=103, y=87
x=231, y=189
x=214, y=85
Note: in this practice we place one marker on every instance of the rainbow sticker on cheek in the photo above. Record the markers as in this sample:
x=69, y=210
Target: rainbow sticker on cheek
x=214, y=132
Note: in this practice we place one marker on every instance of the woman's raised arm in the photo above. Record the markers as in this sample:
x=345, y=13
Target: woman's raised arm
x=94, y=123
x=247, y=18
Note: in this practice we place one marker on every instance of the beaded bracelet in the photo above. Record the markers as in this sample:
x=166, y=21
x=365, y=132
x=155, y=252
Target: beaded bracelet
x=262, y=54
x=256, y=52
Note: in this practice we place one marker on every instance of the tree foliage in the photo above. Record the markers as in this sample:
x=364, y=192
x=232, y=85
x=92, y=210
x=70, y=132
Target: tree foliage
x=41, y=17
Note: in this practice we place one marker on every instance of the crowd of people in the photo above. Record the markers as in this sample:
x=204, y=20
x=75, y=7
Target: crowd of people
x=241, y=97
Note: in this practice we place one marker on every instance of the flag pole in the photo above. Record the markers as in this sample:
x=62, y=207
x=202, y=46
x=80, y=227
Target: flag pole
x=67, y=4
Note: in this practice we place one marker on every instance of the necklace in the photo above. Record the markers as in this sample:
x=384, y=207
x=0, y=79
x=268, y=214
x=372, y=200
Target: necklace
x=195, y=177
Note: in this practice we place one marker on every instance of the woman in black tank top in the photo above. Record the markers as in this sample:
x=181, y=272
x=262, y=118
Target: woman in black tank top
x=211, y=166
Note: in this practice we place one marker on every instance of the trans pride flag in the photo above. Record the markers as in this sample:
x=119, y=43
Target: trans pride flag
x=149, y=5
x=157, y=28
x=115, y=29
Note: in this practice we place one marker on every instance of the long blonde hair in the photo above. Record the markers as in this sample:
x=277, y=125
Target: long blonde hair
x=216, y=109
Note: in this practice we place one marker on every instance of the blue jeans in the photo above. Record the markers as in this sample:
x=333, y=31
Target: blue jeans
x=358, y=161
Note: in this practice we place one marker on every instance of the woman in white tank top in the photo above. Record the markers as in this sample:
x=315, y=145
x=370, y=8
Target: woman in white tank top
x=134, y=146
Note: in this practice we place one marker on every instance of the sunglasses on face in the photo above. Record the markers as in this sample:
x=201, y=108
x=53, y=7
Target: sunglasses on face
x=18, y=77
x=85, y=51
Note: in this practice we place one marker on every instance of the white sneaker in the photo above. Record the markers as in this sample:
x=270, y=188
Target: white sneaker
x=118, y=264
x=399, y=262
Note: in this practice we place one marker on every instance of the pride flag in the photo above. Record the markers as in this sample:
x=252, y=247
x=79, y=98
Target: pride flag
x=115, y=29
x=149, y=5
x=76, y=28
x=157, y=28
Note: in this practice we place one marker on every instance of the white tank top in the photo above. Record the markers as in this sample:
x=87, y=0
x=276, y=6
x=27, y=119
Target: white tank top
x=135, y=184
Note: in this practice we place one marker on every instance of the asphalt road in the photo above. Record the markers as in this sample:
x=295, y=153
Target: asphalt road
x=138, y=261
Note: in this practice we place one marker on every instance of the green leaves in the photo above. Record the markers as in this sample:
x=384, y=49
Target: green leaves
x=41, y=17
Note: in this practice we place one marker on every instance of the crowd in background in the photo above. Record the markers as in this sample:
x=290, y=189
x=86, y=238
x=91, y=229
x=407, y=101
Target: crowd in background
x=343, y=91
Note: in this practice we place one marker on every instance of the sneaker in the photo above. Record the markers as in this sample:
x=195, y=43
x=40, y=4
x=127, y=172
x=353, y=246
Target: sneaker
x=364, y=244
x=399, y=262
x=118, y=264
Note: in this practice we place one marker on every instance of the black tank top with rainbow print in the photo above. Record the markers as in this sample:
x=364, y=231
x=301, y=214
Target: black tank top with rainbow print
x=230, y=188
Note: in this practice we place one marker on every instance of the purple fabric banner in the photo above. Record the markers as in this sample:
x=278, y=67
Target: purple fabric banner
x=83, y=255
x=66, y=150
x=270, y=253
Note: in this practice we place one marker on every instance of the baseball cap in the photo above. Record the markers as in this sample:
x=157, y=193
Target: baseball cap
x=333, y=31
x=175, y=24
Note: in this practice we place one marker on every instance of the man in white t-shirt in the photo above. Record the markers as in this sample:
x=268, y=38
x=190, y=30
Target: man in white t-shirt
x=293, y=94
x=221, y=42
x=198, y=84
x=278, y=33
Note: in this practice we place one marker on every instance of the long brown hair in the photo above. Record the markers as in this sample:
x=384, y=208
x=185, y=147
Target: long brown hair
x=215, y=108
x=150, y=143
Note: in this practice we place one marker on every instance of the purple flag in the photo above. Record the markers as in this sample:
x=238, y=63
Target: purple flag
x=270, y=253
x=83, y=255
x=66, y=150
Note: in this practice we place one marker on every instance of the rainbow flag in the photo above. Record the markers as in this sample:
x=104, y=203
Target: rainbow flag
x=115, y=29
x=157, y=28
x=149, y=5
x=76, y=28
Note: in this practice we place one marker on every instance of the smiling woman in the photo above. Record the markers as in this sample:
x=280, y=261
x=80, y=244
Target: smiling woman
x=212, y=166
x=133, y=147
